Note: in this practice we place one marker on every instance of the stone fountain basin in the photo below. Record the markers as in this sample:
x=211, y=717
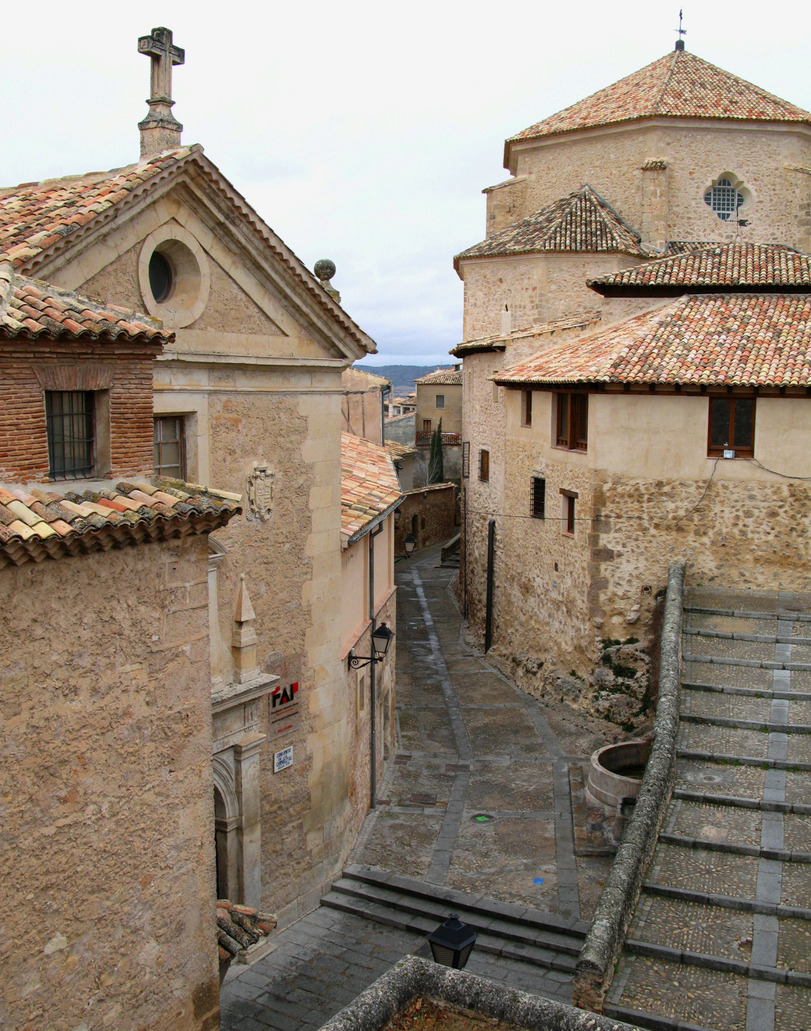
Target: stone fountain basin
x=616, y=771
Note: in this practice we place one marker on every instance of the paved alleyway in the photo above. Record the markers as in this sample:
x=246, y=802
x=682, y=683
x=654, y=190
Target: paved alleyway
x=476, y=799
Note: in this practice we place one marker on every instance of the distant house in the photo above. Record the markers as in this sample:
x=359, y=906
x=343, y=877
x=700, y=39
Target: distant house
x=363, y=406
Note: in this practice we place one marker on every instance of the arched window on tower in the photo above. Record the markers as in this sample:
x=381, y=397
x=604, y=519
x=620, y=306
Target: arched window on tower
x=725, y=197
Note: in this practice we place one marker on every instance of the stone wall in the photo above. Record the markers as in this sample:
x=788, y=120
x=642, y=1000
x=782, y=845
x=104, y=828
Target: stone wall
x=767, y=159
x=430, y=514
x=106, y=791
x=574, y=615
x=536, y=288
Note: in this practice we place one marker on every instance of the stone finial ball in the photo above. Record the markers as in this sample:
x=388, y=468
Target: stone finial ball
x=324, y=269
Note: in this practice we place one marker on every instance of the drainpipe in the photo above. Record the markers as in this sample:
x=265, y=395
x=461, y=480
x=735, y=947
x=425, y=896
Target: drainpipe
x=491, y=554
x=373, y=667
x=383, y=392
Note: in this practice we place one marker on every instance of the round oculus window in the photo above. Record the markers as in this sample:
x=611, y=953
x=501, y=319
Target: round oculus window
x=160, y=277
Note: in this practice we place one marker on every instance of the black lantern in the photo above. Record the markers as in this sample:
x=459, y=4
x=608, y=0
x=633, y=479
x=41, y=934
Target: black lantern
x=452, y=942
x=381, y=639
x=410, y=543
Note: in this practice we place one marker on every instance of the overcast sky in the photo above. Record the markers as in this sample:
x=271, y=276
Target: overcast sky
x=360, y=131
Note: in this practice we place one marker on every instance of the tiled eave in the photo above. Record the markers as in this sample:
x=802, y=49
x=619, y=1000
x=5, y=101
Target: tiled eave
x=725, y=341
x=37, y=523
x=479, y=347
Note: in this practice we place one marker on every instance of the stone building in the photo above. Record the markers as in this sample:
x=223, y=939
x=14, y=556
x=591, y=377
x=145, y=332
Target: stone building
x=247, y=394
x=105, y=684
x=635, y=374
x=364, y=404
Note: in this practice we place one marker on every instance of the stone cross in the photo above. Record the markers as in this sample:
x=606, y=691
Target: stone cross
x=164, y=55
x=160, y=130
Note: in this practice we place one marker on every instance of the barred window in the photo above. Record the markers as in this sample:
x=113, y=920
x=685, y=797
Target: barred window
x=465, y=459
x=724, y=199
x=537, y=501
x=70, y=420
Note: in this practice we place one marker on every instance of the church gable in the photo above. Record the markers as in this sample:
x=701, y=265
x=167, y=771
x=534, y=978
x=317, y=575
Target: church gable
x=172, y=235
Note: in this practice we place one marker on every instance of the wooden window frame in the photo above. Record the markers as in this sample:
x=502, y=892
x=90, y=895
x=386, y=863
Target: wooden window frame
x=484, y=465
x=180, y=422
x=537, y=497
x=716, y=450
x=572, y=421
x=440, y=401
x=568, y=514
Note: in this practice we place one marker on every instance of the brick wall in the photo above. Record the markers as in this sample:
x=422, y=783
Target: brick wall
x=123, y=373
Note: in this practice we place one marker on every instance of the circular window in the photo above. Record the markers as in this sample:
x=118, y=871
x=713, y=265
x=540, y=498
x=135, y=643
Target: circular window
x=160, y=276
x=174, y=276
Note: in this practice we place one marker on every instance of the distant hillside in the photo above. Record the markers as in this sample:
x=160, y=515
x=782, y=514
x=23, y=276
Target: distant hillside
x=402, y=376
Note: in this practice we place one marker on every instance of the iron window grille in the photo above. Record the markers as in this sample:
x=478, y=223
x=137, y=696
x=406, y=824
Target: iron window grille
x=70, y=422
x=724, y=199
x=537, y=501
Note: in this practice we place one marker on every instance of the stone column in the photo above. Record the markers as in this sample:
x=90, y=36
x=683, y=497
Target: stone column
x=246, y=775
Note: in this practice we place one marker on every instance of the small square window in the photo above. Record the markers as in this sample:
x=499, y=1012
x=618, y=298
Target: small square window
x=440, y=400
x=537, y=497
x=484, y=465
x=71, y=426
x=170, y=447
x=732, y=426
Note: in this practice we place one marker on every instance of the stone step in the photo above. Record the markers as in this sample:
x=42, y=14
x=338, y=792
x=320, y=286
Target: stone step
x=764, y=725
x=741, y=802
x=708, y=898
x=648, y=1021
x=743, y=760
x=528, y=935
x=733, y=848
x=775, y=611
x=779, y=975
x=747, y=692
x=772, y=664
x=732, y=635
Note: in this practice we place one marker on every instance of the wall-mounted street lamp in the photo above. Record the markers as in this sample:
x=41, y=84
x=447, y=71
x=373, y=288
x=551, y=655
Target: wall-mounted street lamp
x=410, y=543
x=381, y=639
x=452, y=942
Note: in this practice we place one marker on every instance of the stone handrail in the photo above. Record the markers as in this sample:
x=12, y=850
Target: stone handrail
x=415, y=978
x=618, y=899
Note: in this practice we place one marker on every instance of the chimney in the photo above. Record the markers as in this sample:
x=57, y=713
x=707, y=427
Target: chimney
x=160, y=130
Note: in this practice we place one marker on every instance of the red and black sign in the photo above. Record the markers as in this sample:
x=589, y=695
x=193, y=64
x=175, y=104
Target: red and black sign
x=284, y=708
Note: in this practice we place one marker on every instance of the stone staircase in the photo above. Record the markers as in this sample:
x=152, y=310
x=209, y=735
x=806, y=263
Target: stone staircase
x=721, y=937
x=506, y=930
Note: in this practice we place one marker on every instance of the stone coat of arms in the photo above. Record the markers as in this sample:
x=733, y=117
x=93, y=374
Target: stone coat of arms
x=260, y=494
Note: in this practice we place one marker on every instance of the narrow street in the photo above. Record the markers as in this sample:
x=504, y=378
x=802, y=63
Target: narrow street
x=476, y=800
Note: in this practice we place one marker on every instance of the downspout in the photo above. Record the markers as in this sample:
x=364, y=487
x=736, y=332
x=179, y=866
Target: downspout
x=491, y=555
x=373, y=667
x=383, y=392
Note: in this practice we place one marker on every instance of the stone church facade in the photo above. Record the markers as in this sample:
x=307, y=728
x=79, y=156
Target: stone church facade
x=641, y=281
x=244, y=392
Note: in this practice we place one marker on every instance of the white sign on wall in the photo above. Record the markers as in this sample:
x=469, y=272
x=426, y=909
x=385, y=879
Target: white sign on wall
x=283, y=759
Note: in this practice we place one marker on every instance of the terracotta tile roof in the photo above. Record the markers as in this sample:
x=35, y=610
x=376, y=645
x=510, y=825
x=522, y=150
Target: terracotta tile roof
x=723, y=266
x=446, y=377
x=399, y=451
x=37, y=523
x=682, y=246
x=707, y=339
x=368, y=485
x=678, y=85
x=35, y=217
x=31, y=308
x=39, y=222
x=583, y=221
